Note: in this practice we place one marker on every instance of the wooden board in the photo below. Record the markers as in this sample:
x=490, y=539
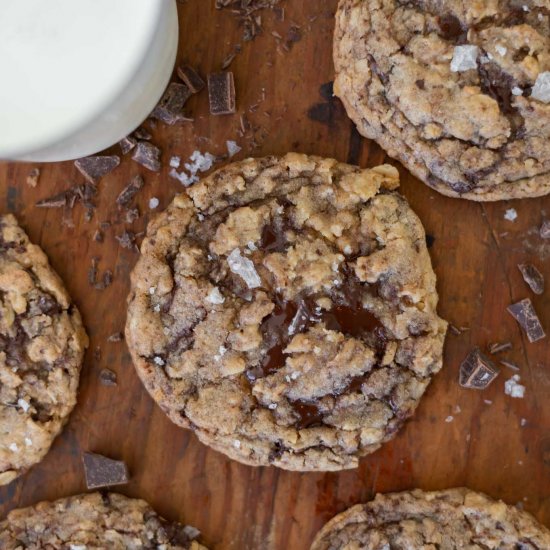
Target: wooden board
x=475, y=253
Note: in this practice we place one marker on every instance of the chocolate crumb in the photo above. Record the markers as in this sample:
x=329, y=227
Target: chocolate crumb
x=108, y=378
x=116, y=337
x=148, y=155
x=533, y=277
x=191, y=78
x=98, y=236
x=524, y=313
x=221, y=93
x=93, y=271
x=544, y=230
x=142, y=134
x=170, y=108
x=102, y=472
x=497, y=347
x=477, y=371
x=127, y=144
x=130, y=191
x=127, y=240
x=94, y=168
x=32, y=178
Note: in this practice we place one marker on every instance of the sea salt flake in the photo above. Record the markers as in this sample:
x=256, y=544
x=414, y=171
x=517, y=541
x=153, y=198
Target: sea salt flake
x=152, y=290
x=237, y=444
x=523, y=422
x=244, y=268
x=28, y=442
x=153, y=203
x=295, y=375
x=511, y=214
x=516, y=90
x=156, y=309
x=541, y=89
x=23, y=404
x=252, y=246
x=272, y=406
x=449, y=419
x=487, y=401
x=159, y=361
x=78, y=547
x=513, y=388
x=232, y=148
x=501, y=50
x=464, y=58
x=184, y=178
x=13, y=447
x=175, y=162
x=215, y=296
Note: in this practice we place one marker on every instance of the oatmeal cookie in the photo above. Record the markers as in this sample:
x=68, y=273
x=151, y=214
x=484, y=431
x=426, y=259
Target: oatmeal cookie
x=285, y=310
x=94, y=521
x=42, y=344
x=459, y=91
x=453, y=519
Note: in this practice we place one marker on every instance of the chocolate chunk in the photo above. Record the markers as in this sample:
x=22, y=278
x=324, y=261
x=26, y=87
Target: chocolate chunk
x=101, y=471
x=130, y=191
x=170, y=108
x=533, y=277
x=524, y=313
x=127, y=144
x=32, y=178
x=142, y=134
x=544, y=230
x=148, y=155
x=309, y=414
x=477, y=371
x=108, y=378
x=221, y=93
x=191, y=78
x=94, y=168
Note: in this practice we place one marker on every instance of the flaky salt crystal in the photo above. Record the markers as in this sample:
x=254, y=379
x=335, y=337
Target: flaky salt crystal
x=153, y=203
x=449, y=419
x=501, y=50
x=513, y=388
x=237, y=444
x=175, y=162
x=159, y=361
x=13, y=447
x=541, y=89
x=464, y=58
x=28, y=441
x=516, y=90
x=511, y=214
x=215, y=296
x=23, y=404
x=244, y=268
x=232, y=148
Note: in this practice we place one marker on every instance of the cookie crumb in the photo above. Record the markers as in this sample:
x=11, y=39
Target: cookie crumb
x=32, y=178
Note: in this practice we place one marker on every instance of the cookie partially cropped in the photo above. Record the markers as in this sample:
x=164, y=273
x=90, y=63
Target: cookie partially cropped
x=42, y=343
x=453, y=519
x=286, y=311
x=459, y=91
x=92, y=521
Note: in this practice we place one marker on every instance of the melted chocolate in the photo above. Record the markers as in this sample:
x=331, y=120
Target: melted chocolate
x=451, y=28
x=309, y=414
x=498, y=85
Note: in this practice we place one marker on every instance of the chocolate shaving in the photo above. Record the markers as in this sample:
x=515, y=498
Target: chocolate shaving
x=247, y=13
x=509, y=365
x=544, y=230
x=130, y=191
x=524, y=313
x=127, y=240
x=94, y=168
x=191, y=78
x=106, y=280
x=148, y=155
x=497, y=348
x=102, y=472
x=108, y=378
x=55, y=201
x=32, y=178
x=170, y=108
x=98, y=236
x=533, y=277
x=477, y=371
x=221, y=93
x=127, y=144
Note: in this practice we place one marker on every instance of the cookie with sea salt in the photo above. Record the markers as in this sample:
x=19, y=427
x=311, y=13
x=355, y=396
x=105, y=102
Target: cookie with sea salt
x=95, y=520
x=453, y=519
x=458, y=91
x=42, y=344
x=285, y=311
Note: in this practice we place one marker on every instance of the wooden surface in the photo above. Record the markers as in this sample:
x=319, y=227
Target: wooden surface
x=475, y=253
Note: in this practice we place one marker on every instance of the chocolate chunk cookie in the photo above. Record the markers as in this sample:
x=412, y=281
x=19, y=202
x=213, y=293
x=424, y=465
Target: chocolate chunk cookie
x=285, y=310
x=42, y=344
x=454, y=519
x=94, y=521
x=459, y=91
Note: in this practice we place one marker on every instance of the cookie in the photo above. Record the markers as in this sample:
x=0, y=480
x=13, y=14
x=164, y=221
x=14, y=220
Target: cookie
x=458, y=91
x=453, y=519
x=42, y=344
x=285, y=310
x=94, y=521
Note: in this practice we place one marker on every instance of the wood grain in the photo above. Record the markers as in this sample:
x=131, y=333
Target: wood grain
x=475, y=254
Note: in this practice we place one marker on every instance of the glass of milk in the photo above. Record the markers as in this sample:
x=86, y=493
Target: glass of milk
x=76, y=76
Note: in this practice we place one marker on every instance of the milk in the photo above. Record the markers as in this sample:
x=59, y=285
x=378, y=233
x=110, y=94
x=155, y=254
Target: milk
x=78, y=75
